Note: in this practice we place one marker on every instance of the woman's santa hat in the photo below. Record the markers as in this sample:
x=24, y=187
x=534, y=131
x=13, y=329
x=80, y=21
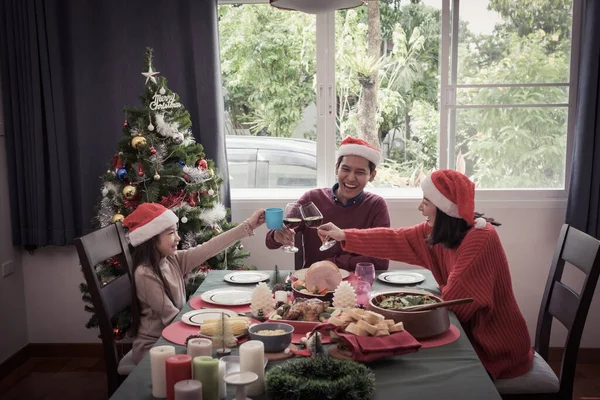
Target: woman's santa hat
x=454, y=194
x=147, y=221
x=358, y=147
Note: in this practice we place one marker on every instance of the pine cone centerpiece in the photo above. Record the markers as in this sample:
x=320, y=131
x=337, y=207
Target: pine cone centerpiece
x=262, y=299
x=344, y=296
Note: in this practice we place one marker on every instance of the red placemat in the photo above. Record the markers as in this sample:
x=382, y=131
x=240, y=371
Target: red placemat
x=178, y=331
x=197, y=303
x=450, y=336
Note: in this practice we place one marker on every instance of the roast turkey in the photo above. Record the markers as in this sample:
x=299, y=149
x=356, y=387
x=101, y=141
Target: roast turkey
x=322, y=274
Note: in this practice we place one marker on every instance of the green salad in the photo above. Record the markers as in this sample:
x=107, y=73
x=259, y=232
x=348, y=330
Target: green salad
x=400, y=301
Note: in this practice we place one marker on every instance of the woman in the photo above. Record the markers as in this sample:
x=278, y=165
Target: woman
x=466, y=258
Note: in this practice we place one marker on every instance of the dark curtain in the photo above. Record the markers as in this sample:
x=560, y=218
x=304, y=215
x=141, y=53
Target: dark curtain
x=583, y=210
x=68, y=69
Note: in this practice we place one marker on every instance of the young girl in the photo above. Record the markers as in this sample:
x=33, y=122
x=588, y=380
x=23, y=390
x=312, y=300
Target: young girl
x=159, y=267
x=467, y=260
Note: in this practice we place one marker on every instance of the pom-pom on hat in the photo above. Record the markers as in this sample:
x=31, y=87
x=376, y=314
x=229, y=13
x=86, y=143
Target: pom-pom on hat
x=358, y=147
x=454, y=194
x=147, y=221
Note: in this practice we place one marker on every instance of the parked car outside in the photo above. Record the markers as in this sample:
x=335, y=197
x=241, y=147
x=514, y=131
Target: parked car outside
x=271, y=162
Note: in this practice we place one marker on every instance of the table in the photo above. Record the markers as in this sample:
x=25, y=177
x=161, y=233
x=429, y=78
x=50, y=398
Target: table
x=452, y=371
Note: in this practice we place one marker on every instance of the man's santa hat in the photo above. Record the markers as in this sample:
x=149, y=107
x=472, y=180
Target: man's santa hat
x=454, y=194
x=147, y=221
x=358, y=147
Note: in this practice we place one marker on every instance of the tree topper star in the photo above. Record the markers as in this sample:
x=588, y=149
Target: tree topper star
x=150, y=74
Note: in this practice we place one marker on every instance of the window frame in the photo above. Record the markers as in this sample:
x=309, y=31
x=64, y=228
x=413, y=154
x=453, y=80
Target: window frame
x=325, y=98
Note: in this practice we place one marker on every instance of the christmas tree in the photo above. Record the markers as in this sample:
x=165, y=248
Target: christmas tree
x=158, y=161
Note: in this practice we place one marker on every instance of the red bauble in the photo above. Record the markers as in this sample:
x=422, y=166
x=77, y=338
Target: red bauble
x=125, y=124
x=140, y=169
x=192, y=203
x=202, y=164
x=186, y=176
x=152, y=150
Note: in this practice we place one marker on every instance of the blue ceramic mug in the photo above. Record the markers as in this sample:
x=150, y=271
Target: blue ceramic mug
x=274, y=218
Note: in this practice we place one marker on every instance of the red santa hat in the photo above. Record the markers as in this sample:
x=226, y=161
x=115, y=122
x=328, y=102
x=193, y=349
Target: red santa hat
x=358, y=147
x=454, y=194
x=147, y=221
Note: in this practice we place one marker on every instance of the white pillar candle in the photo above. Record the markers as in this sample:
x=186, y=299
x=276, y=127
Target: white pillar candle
x=158, y=357
x=222, y=384
x=199, y=347
x=189, y=389
x=252, y=356
x=281, y=295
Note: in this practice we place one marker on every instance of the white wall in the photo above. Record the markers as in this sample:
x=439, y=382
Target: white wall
x=529, y=233
x=13, y=329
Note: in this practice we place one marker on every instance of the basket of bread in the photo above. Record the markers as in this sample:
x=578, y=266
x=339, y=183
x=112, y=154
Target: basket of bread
x=366, y=336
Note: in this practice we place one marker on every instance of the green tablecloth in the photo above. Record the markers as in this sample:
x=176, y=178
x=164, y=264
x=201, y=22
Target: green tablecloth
x=452, y=371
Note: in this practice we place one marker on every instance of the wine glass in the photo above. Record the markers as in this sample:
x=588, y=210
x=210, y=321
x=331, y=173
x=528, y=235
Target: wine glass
x=365, y=271
x=292, y=218
x=313, y=219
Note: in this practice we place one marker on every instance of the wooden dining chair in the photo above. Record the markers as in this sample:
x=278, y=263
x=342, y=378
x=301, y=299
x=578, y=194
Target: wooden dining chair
x=571, y=309
x=110, y=299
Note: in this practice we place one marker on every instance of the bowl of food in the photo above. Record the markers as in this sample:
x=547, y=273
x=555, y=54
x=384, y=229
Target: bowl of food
x=320, y=281
x=420, y=324
x=276, y=336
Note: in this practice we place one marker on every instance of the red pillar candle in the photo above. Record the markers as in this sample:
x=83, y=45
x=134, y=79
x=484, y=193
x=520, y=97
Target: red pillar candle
x=178, y=368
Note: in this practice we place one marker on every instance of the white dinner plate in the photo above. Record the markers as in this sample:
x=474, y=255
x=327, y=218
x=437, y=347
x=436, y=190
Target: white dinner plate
x=301, y=273
x=197, y=317
x=246, y=277
x=227, y=297
x=401, y=278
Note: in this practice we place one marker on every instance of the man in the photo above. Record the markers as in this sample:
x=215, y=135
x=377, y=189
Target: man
x=346, y=205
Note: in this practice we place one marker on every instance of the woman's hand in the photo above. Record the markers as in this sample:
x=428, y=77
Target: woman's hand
x=284, y=236
x=329, y=230
x=256, y=219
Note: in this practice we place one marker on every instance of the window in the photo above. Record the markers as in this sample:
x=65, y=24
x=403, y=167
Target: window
x=483, y=86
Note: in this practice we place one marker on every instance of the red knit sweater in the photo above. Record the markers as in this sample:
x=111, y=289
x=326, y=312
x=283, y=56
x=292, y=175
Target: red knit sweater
x=478, y=268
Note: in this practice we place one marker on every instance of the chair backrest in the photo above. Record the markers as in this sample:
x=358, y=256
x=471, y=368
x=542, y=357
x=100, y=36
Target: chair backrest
x=112, y=298
x=560, y=302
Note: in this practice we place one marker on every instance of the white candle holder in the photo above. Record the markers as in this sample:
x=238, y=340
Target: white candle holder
x=240, y=380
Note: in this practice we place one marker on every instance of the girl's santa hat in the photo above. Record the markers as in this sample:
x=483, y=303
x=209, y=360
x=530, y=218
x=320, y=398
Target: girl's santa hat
x=454, y=194
x=147, y=221
x=358, y=147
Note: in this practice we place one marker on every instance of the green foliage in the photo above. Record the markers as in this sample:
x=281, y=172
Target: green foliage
x=268, y=67
x=320, y=378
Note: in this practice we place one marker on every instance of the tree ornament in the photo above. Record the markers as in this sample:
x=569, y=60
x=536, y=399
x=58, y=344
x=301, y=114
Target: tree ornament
x=140, y=169
x=162, y=90
x=211, y=192
x=126, y=124
x=121, y=173
x=150, y=75
x=262, y=299
x=129, y=192
x=344, y=296
x=152, y=150
x=181, y=163
x=241, y=247
x=211, y=172
x=150, y=127
x=156, y=176
x=138, y=141
x=202, y=164
x=118, y=217
x=184, y=220
x=186, y=177
x=192, y=203
x=104, y=191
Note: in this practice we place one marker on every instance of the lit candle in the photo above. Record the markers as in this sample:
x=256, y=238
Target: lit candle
x=222, y=384
x=281, y=295
x=199, y=347
x=178, y=368
x=206, y=370
x=158, y=355
x=189, y=389
x=252, y=356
